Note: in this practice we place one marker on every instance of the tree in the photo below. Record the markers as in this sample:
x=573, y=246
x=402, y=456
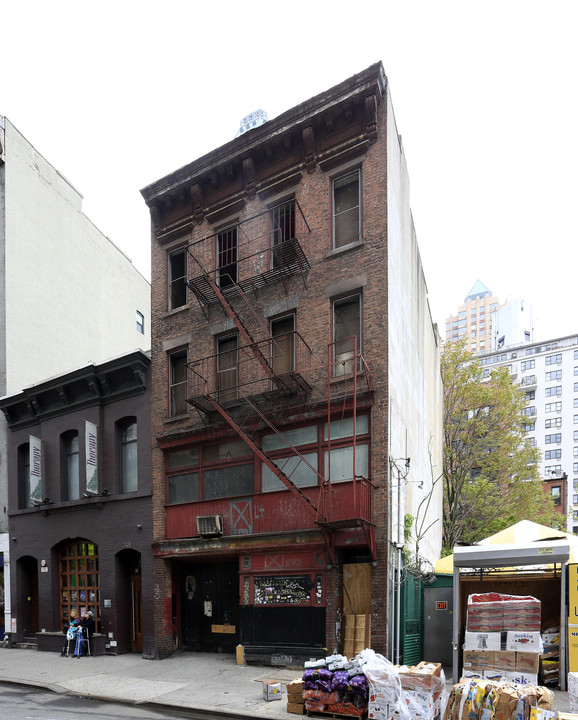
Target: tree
x=491, y=474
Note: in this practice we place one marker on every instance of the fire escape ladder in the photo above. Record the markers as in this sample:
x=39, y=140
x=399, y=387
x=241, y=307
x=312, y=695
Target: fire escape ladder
x=254, y=346
x=264, y=457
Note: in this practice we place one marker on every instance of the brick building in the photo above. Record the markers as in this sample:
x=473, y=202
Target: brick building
x=79, y=504
x=295, y=365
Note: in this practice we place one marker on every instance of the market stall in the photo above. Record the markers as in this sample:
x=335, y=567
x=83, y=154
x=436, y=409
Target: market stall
x=521, y=557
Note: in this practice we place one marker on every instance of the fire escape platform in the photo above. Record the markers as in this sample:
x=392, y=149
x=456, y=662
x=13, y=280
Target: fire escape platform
x=286, y=385
x=288, y=259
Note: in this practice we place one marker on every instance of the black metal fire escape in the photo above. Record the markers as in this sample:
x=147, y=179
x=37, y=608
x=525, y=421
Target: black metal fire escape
x=252, y=254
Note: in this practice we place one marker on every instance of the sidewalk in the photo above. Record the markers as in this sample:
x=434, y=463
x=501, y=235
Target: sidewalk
x=209, y=682
x=198, y=681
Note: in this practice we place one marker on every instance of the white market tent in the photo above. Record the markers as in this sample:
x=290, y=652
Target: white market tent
x=524, y=546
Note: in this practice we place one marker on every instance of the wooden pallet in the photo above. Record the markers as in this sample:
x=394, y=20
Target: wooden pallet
x=335, y=716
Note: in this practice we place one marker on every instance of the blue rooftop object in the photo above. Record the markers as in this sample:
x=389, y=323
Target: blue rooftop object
x=478, y=291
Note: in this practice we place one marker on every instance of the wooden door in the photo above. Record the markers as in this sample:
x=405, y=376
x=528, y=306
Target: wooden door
x=136, y=612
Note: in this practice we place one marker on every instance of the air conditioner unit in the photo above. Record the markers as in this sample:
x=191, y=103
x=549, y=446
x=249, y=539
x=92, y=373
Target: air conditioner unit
x=210, y=525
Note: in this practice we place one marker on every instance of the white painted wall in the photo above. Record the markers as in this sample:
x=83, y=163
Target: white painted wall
x=415, y=389
x=71, y=295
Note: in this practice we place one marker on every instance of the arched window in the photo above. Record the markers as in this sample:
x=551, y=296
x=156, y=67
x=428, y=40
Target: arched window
x=24, y=499
x=70, y=451
x=128, y=455
x=79, y=580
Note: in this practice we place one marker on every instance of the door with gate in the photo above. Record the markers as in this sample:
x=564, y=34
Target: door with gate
x=210, y=607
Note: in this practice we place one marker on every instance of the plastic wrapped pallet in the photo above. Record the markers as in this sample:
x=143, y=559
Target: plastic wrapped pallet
x=496, y=612
x=403, y=692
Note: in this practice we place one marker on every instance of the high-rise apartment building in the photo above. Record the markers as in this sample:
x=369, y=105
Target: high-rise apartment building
x=488, y=324
x=548, y=374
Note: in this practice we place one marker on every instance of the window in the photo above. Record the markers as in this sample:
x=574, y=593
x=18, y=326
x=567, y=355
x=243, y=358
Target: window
x=553, y=455
x=72, y=464
x=575, y=453
x=529, y=411
x=346, y=210
x=177, y=277
x=178, y=383
x=227, y=256
x=553, y=375
x=553, y=407
x=554, y=391
x=553, y=469
x=557, y=438
x=282, y=219
x=210, y=472
x=575, y=435
x=554, y=359
x=140, y=322
x=574, y=499
x=79, y=581
x=527, y=365
x=530, y=395
x=553, y=423
x=227, y=366
x=346, y=331
x=528, y=427
x=24, y=476
x=183, y=488
x=556, y=495
x=283, y=345
x=128, y=456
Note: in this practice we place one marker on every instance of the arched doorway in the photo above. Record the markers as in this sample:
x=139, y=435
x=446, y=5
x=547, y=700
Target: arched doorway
x=27, y=582
x=129, y=587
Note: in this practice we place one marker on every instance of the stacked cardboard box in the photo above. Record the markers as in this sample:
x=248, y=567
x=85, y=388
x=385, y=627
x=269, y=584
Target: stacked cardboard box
x=550, y=657
x=573, y=692
x=295, y=699
x=502, y=639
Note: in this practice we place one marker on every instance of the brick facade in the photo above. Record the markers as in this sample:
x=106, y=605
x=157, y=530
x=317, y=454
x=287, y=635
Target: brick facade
x=297, y=157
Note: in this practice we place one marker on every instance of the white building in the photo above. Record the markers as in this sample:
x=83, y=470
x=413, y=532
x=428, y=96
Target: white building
x=548, y=373
x=68, y=295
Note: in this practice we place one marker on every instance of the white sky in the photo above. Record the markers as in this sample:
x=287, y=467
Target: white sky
x=118, y=93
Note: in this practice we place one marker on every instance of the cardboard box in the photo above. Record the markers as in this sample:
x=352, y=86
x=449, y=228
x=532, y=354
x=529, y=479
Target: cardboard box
x=483, y=641
x=478, y=660
x=424, y=676
x=295, y=687
x=494, y=674
x=272, y=691
x=523, y=641
x=527, y=662
x=296, y=708
x=522, y=678
x=505, y=660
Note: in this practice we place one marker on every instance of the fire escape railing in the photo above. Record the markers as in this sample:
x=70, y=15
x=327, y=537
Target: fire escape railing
x=250, y=254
